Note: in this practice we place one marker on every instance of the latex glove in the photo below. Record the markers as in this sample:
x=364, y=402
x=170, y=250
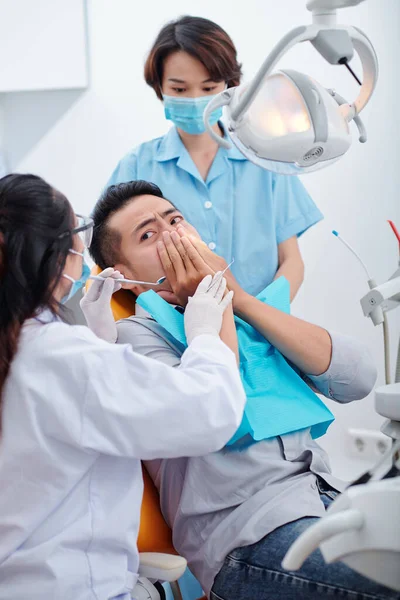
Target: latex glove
x=204, y=311
x=96, y=306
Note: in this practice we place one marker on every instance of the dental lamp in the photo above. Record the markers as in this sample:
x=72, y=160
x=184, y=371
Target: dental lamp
x=286, y=121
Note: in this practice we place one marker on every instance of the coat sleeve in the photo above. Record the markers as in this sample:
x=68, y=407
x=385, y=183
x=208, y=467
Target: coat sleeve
x=130, y=405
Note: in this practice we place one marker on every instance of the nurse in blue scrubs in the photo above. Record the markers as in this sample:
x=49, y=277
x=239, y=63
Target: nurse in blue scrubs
x=240, y=210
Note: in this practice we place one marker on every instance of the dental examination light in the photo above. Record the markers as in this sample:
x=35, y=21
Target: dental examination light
x=287, y=122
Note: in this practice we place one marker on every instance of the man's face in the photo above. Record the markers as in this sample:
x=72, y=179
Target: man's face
x=141, y=224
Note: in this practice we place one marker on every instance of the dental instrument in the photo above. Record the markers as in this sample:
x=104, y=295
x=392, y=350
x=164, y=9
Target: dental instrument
x=122, y=280
x=378, y=315
x=287, y=122
x=219, y=279
x=336, y=234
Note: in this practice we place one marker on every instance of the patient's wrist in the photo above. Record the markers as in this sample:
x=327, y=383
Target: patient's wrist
x=240, y=302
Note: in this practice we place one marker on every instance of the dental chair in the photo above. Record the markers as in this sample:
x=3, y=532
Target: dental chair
x=159, y=561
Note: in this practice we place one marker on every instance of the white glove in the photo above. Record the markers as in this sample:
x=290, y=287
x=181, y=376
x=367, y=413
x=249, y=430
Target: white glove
x=96, y=307
x=204, y=311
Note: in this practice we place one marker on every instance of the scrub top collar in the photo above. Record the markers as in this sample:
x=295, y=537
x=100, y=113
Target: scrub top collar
x=172, y=147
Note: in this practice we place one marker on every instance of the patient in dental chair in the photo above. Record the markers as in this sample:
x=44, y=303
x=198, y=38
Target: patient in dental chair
x=235, y=513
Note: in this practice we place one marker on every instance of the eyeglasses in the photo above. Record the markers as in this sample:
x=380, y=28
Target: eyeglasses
x=84, y=229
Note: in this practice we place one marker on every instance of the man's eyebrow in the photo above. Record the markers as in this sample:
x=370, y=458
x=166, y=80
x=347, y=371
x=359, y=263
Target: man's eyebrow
x=146, y=222
x=169, y=212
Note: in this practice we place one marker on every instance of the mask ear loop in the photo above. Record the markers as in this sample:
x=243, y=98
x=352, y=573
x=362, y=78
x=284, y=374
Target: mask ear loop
x=77, y=254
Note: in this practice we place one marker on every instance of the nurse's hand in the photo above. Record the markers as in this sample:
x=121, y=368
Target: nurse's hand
x=183, y=266
x=96, y=307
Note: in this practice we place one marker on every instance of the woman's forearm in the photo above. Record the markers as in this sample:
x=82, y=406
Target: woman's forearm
x=308, y=346
x=290, y=264
x=293, y=270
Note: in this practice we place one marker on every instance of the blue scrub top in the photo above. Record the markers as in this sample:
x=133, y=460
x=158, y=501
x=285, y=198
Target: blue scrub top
x=241, y=211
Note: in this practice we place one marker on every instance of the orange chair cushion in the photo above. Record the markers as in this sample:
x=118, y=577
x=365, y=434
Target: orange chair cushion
x=154, y=533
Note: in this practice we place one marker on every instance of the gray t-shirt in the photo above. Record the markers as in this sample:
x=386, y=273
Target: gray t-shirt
x=236, y=496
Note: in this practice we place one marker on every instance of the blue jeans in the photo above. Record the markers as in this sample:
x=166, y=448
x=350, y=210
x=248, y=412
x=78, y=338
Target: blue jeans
x=255, y=572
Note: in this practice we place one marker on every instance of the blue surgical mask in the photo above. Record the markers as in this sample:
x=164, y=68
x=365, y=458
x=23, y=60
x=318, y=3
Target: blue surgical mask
x=187, y=113
x=77, y=284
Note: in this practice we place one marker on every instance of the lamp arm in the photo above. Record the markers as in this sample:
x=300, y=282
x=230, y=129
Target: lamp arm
x=293, y=37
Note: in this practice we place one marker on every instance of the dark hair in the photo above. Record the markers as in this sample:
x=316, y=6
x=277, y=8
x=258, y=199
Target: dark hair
x=105, y=246
x=200, y=38
x=36, y=223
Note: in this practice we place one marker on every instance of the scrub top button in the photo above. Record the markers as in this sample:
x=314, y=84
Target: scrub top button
x=212, y=246
x=208, y=204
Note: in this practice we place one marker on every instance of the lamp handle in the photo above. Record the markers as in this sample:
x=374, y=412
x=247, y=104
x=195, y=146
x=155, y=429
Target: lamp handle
x=222, y=99
x=369, y=62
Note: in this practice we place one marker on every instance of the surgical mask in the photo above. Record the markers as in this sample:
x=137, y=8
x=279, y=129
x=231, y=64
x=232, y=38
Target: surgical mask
x=187, y=113
x=77, y=284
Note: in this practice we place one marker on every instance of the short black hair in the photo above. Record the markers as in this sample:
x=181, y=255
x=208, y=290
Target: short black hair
x=105, y=246
x=201, y=38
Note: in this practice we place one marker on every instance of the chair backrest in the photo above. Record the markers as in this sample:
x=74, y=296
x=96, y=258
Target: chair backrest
x=154, y=533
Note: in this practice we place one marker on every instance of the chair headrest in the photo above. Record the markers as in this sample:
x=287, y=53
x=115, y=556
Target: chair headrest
x=122, y=302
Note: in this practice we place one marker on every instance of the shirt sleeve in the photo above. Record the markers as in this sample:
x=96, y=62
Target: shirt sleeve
x=126, y=170
x=129, y=405
x=152, y=342
x=351, y=374
x=295, y=211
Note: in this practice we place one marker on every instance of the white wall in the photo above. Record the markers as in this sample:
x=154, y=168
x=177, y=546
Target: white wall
x=76, y=142
x=46, y=49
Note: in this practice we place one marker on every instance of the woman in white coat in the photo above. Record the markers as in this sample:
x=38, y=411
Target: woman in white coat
x=78, y=414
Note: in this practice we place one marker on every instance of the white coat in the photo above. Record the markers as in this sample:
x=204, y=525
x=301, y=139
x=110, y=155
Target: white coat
x=78, y=415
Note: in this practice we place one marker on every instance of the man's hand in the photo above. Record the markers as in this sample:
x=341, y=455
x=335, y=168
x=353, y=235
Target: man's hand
x=214, y=262
x=183, y=265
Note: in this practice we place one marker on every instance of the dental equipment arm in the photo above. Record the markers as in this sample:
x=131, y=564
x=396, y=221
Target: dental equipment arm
x=376, y=304
x=362, y=526
x=361, y=529
x=382, y=298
